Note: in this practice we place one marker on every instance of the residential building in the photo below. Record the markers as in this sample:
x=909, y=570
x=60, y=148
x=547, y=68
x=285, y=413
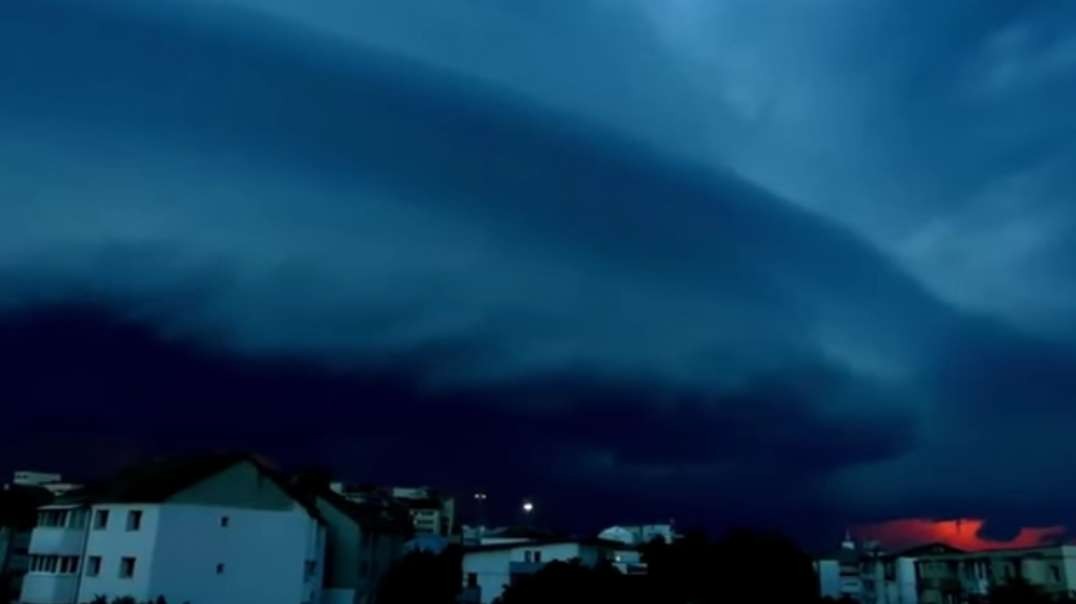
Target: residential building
x=214, y=529
x=432, y=512
x=950, y=576
x=865, y=573
x=18, y=511
x=628, y=558
x=489, y=569
x=640, y=534
x=364, y=539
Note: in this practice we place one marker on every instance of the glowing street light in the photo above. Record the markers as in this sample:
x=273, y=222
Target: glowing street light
x=528, y=507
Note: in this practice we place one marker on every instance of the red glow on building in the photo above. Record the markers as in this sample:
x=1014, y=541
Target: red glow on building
x=960, y=533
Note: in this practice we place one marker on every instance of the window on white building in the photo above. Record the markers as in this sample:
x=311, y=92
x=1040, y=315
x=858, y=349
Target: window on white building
x=134, y=520
x=68, y=565
x=93, y=566
x=78, y=518
x=224, y=521
x=528, y=556
x=127, y=567
x=52, y=518
x=472, y=580
x=537, y=556
x=220, y=569
x=100, y=520
x=310, y=568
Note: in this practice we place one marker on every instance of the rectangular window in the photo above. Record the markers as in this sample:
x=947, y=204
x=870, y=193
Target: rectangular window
x=127, y=567
x=93, y=566
x=78, y=519
x=537, y=556
x=472, y=580
x=220, y=569
x=528, y=556
x=224, y=522
x=134, y=520
x=52, y=563
x=1056, y=573
x=310, y=568
x=100, y=520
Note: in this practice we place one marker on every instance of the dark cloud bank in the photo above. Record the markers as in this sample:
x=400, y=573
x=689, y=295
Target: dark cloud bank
x=220, y=229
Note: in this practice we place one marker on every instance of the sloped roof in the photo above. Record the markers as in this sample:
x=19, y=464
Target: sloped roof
x=930, y=549
x=381, y=516
x=158, y=480
x=543, y=542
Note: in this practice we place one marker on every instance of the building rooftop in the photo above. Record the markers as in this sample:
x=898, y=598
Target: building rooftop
x=158, y=480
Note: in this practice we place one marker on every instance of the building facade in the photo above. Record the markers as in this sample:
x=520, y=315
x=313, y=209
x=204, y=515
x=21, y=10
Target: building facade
x=489, y=569
x=432, y=512
x=364, y=540
x=867, y=574
x=950, y=576
x=211, y=530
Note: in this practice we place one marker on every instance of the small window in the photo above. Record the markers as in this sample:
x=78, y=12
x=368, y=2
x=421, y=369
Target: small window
x=93, y=566
x=134, y=520
x=127, y=568
x=472, y=580
x=220, y=569
x=310, y=568
x=78, y=519
x=528, y=556
x=100, y=520
x=537, y=556
x=1055, y=572
x=224, y=521
x=52, y=563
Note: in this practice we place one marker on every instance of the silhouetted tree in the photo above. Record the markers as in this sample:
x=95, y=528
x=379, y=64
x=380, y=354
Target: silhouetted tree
x=741, y=567
x=423, y=577
x=573, y=583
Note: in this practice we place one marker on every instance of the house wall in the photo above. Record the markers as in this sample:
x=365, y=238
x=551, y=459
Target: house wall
x=114, y=542
x=341, y=555
x=829, y=578
x=907, y=590
x=263, y=553
x=493, y=567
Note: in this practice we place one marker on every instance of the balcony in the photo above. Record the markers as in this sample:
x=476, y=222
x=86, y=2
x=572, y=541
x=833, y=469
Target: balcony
x=43, y=588
x=57, y=540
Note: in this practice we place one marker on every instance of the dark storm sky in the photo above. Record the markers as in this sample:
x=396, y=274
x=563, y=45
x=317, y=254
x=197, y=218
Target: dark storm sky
x=799, y=264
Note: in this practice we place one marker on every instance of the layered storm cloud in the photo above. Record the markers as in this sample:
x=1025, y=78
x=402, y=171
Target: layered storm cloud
x=582, y=239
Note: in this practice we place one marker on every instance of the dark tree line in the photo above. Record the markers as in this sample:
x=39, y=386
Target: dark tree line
x=741, y=567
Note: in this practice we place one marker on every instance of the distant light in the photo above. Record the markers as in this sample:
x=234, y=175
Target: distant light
x=480, y=496
x=528, y=507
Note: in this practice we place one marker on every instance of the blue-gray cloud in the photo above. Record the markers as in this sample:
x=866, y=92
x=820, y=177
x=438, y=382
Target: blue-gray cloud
x=325, y=183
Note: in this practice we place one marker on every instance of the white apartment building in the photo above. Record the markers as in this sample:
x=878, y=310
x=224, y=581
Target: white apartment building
x=432, y=512
x=489, y=569
x=219, y=529
x=639, y=534
x=868, y=575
